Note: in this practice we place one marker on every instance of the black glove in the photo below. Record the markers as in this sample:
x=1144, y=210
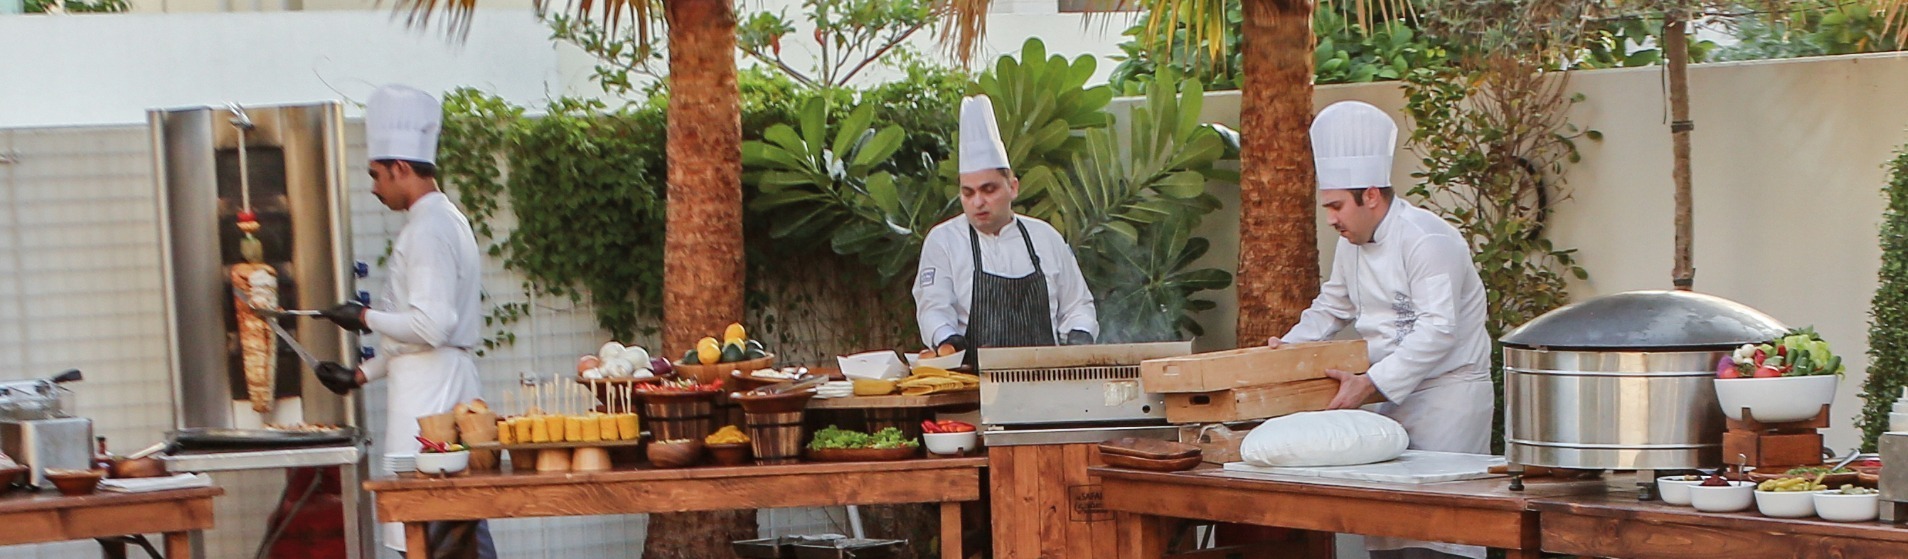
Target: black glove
x=958, y=341
x=1079, y=337
x=339, y=379
x=348, y=315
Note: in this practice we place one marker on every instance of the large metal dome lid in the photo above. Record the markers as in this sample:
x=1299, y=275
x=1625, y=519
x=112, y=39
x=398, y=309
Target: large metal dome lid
x=1648, y=320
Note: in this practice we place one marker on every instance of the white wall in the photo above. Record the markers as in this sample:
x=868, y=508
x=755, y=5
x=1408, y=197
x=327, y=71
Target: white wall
x=1787, y=163
x=111, y=68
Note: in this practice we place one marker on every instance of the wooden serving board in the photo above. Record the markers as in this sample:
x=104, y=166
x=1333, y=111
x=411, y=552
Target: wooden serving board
x=934, y=400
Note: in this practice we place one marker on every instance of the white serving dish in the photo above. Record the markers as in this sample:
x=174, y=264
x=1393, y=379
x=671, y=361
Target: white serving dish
x=1786, y=504
x=951, y=443
x=1778, y=399
x=877, y=365
x=432, y=463
x=1738, y=495
x=949, y=361
x=1833, y=505
x=1675, y=491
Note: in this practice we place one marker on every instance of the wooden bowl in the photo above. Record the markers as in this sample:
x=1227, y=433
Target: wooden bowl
x=774, y=403
x=138, y=468
x=675, y=454
x=76, y=482
x=861, y=454
x=729, y=454
x=719, y=372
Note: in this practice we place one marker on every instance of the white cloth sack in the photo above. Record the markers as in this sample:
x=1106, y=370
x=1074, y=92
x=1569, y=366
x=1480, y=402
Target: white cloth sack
x=1325, y=438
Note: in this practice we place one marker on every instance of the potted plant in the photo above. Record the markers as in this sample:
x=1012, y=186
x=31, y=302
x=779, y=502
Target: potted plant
x=1785, y=380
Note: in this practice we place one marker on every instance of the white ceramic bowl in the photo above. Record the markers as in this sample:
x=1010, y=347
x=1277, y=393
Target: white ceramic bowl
x=951, y=443
x=432, y=463
x=1833, y=505
x=1738, y=495
x=1675, y=491
x=1786, y=504
x=1776, y=400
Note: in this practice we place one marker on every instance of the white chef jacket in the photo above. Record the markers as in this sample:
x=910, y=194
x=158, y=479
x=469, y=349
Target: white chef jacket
x=944, y=282
x=1413, y=294
x=427, y=320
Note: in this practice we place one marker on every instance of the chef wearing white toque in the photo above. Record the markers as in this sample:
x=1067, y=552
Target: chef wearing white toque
x=988, y=277
x=1403, y=278
x=429, y=314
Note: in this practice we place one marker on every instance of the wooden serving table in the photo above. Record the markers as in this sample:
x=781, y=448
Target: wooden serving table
x=27, y=518
x=415, y=500
x=1616, y=525
x=1480, y=512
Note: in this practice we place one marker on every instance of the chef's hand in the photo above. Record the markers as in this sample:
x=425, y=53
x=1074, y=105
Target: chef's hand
x=958, y=341
x=1353, y=389
x=1079, y=337
x=348, y=315
x=339, y=379
x=1274, y=342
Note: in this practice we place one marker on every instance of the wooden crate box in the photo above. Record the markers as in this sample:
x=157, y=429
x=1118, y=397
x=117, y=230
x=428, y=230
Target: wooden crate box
x=1254, y=366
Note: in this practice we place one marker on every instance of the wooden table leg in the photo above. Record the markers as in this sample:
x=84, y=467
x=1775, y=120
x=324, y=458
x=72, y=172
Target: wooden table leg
x=417, y=544
x=1321, y=545
x=951, y=530
x=1139, y=536
x=1523, y=554
x=112, y=548
x=178, y=545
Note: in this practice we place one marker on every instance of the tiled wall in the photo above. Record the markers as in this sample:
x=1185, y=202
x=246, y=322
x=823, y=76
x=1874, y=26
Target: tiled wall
x=80, y=287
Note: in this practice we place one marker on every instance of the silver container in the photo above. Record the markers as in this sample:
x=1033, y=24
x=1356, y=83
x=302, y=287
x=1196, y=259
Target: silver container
x=1624, y=382
x=64, y=443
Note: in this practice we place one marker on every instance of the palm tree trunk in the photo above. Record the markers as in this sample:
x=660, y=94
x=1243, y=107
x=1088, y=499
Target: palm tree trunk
x=702, y=247
x=1278, y=238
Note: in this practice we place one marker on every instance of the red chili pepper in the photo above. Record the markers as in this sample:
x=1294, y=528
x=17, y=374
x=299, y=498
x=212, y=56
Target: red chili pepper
x=433, y=445
x=930, y=427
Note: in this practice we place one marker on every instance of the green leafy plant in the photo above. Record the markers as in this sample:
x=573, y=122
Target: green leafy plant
x=823, y=188
x=1821, y=27
x=1888, y=311
x=1040, y=102
x=76, y=6
x=849, y=36
x=1129, y=216
x=1348, y=50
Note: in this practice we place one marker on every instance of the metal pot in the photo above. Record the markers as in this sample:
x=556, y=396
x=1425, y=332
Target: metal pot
x=1623, y=382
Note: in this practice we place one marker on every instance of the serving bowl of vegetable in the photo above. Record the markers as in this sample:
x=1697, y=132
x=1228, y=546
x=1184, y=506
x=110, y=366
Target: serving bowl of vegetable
x=842, y=445
x=1790, y=379
x=1848, y=504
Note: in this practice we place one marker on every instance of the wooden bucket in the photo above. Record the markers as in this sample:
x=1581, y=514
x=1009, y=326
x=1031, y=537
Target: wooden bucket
x=777, y=437
x=674, y=416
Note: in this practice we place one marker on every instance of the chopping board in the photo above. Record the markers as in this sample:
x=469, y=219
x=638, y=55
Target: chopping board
x=1414, y=466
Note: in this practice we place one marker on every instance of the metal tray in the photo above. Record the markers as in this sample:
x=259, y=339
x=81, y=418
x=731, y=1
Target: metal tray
x=219, y=438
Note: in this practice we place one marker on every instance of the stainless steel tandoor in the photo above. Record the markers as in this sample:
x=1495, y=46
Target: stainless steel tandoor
x=1624, y=382
x=1612, y=410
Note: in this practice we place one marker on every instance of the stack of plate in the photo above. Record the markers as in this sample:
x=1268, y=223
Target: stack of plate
x=400, y=463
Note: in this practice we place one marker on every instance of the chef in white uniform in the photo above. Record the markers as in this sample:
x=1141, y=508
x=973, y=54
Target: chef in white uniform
x=1403, y=278
x=428, y=317
x=988, y=277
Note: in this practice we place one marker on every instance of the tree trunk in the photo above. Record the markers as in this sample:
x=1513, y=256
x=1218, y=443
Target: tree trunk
x=1676, y=46
x=702, y=248
x=1278, y=238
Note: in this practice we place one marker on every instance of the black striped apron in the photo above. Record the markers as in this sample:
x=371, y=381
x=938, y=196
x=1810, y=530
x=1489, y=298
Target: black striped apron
x=1008, y=312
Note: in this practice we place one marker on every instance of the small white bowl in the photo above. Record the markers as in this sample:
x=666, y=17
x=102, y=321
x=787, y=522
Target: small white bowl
x=433, y=463
x=1777, y=399
x=1738, y=495
x=1833, y=505
x=1675, y=491
x=948, y=444
x=1786, y=504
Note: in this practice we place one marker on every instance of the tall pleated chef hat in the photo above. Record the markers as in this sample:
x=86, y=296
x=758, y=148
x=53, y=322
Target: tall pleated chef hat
x=1352, y=145
x=402, y=122
x=981, y=148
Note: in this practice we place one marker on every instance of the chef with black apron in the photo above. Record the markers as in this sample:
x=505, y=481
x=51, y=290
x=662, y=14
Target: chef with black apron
x=988, y=277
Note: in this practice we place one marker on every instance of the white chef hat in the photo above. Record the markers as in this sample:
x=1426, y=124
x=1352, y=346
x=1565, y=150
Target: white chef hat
x=981, y=148
x=402, y=122
x=1352, y=145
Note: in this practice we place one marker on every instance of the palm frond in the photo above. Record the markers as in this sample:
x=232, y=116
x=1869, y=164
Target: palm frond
x=640, y=16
